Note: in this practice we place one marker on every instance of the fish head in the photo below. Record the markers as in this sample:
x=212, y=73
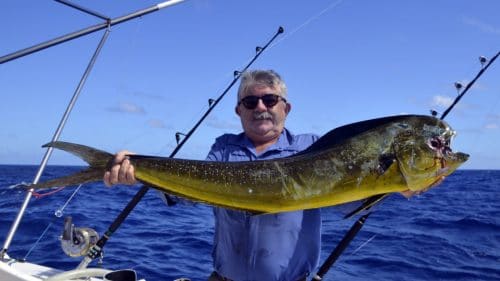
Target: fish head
x=423, y=152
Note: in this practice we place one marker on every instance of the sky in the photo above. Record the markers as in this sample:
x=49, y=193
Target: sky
x=343, y=61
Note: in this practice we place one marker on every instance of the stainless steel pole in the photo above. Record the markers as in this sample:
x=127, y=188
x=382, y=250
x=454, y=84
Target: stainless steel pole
x=48, y=152
x=85, y=31
x=70, y=106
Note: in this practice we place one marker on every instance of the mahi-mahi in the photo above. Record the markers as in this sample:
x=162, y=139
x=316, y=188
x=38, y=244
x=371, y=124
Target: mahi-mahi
x=352, y=162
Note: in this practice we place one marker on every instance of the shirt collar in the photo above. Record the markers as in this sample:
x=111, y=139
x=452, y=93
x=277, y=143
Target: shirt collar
x=284, y=142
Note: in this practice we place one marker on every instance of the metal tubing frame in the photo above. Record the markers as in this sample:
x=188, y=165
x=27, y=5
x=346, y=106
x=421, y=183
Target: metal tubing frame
x=53, y=42
x=85, y=31
x=48, y=152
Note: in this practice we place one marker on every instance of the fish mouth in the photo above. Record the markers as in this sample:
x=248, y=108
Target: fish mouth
x=442, y=172
x=450, y=161
x=445, y=155
x=457, y=157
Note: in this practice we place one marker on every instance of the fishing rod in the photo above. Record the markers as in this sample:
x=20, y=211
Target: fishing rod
x=69, y=108
x=356, y=227
x=482, y=60
x=96, y=250
x=335, y=254
x=88, y=30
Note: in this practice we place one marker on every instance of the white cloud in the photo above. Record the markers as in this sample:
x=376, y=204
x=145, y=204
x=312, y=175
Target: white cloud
x=484, y=27
x=126, y=107
x=157, y=123
x=217, y=123
x=491, y=126
x=441, y=101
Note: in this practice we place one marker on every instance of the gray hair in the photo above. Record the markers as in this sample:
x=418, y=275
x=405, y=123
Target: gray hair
x=267, y=78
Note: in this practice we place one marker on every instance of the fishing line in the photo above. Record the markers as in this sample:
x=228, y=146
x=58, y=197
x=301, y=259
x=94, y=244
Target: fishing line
x=38, y=240
x=58, y=214
x=332, y=5
x=45, y=194
x=362, y=245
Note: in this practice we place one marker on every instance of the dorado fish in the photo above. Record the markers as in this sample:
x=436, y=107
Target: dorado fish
x=350, y=163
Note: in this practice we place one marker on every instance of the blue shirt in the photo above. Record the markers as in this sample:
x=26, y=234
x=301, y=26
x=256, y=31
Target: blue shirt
x=283, y=246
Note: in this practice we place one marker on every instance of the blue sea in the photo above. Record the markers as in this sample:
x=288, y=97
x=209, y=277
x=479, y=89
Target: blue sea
x=449, y=233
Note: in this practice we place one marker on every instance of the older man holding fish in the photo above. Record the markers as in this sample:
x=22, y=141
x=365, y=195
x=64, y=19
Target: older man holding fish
x=281, y=246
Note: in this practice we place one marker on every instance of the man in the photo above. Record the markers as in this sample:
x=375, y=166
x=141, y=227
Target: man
x=284, y=246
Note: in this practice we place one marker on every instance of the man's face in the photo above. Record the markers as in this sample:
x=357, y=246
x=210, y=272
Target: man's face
x=263, y=124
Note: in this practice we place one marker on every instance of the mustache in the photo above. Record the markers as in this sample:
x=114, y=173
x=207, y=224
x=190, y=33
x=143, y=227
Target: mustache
x=262, y=115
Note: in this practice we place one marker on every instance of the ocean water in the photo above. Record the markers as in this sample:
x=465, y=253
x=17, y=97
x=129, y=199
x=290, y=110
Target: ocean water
x=449, y=233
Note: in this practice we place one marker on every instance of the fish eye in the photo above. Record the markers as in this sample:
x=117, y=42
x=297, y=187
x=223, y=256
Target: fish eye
x=435, y=143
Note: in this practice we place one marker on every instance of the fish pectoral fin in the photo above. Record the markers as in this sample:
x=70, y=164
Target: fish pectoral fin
x=169, y=199
x=367, y=204
x=385, y=161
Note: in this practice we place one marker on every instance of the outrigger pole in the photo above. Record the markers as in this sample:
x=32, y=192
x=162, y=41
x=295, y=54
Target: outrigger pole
x=96, y=250
x=70, y=36
x=356, y=227
x=50, y=43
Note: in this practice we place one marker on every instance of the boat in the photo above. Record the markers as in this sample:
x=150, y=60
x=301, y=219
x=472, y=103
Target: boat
x=17, y=269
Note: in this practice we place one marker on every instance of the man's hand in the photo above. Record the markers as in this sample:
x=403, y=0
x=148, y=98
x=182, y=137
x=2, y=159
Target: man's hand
x=122, y=171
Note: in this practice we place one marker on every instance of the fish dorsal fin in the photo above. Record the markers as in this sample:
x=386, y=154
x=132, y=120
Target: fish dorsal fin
x=340, y=134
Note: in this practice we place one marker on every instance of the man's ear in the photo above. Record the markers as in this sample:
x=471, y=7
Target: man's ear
x=288, y=107
x=237, y=110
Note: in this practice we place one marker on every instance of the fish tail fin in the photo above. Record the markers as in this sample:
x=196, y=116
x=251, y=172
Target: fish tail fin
x=97, y=159
x=94, y=157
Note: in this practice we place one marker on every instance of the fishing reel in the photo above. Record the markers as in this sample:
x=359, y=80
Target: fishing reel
x=77, y=241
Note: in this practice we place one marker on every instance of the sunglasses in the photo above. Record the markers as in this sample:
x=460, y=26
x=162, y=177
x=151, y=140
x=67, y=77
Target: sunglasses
x=269, y=100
